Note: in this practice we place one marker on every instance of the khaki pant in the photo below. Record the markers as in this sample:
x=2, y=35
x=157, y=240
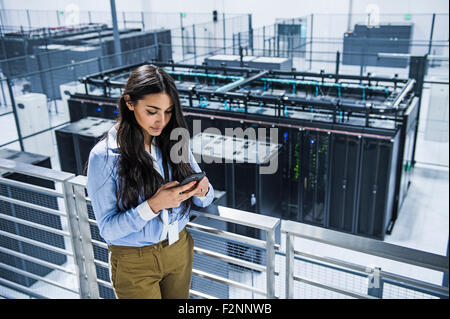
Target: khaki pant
x=156, y=271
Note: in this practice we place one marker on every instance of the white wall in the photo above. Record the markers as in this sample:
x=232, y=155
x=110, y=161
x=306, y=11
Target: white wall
x=264, y=11
x=330, y=18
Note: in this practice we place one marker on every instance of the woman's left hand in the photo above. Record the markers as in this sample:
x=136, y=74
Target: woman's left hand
x=202, y=187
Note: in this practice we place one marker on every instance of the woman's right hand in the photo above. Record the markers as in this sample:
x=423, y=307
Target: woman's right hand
x=170, y=196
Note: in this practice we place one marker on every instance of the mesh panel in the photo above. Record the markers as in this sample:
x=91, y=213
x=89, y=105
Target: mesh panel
x=203, y=263
x=329, y=276
x=39, y=235
x=306, y=291
x=391, y=291
x=224, y=269
x=100, y=254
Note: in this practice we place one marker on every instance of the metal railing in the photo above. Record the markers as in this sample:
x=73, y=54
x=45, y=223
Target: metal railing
x=376, y=277
x=227, y=264
x=34, y=234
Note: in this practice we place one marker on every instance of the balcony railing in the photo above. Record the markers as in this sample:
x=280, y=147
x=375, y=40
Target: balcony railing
x=50, y=247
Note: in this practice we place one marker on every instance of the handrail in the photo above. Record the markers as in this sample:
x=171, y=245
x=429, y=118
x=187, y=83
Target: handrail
x=241, y=217
x=367, y=245
x=265, y=223
x=36, y=171
x=76, y=203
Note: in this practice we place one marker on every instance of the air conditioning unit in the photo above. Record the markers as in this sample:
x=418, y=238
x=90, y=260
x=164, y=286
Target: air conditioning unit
x=32, y=114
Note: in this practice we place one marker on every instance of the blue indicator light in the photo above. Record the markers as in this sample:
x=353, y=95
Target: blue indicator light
x=99, y=109
x=312, y=141
x=116, y=111
x=286, y=136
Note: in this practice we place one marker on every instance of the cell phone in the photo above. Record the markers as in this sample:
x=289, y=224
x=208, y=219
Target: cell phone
x=194, y=177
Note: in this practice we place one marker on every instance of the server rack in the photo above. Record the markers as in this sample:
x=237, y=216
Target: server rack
x=21, y=43
x=76, y=140
x=343, y=195
x=291, y=37
x=376, y=186
x=134, y=40
x=79, y=39
x=53, y=57
x=340, y=112
x=31, y=215
x=239, y=161
x=313, y=183
x=80, y=109
x=264, y=63
x=18, y=49
x=362, y=44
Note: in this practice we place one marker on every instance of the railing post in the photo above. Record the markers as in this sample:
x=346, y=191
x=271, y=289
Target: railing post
x=233, y=43
x=16, y=118
x=270, y=263
x=239, y=40
x=289, y=266
x=182, y=35
x=430, y=41
x=224, y=34
x=250, y=32
x=264, y=41
x=375, y=286
x=194, y=44
x=74, y=196
x=29, y=19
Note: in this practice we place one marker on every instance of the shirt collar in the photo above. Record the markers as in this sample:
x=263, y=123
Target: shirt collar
x=112, y=141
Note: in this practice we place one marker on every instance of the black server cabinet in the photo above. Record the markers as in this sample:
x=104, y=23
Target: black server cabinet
x=76, y=140
x=343, y=194
x=80, y=109
x=31, y=215
x=242, y=181
x=48, y=82
x=378, y=165
x=291, y=162
x=362, y=45
x=314, y=172
x=136, y=40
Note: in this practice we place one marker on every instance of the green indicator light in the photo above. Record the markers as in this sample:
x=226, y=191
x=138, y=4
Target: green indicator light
x=182, y=14
x=408, y=16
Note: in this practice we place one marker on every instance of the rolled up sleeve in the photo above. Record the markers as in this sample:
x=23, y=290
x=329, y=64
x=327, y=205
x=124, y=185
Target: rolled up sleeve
x=205, y=200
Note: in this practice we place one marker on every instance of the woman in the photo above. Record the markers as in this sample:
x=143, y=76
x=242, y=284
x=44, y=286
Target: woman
x=132, y=182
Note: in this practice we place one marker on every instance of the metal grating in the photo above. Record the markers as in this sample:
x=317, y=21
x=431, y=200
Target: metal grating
x=40, y=235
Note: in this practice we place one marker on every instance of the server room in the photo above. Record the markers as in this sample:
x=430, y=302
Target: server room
x=317, y=134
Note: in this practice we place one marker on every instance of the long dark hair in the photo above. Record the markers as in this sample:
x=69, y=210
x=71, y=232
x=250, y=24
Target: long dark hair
x=136, y=174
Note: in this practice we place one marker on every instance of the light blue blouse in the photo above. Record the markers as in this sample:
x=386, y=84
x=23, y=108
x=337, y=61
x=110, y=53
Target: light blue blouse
x=138, y=226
